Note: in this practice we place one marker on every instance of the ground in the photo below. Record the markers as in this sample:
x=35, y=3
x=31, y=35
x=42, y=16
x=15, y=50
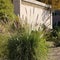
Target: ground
x=54, y=53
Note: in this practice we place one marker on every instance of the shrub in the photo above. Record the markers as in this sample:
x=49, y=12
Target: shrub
x=57, y=38
x=27, y=46
x=22, y=44
x=53, y=35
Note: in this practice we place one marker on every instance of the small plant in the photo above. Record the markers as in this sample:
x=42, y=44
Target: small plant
x=27, y=46
x=57, y=38
x=53, y=36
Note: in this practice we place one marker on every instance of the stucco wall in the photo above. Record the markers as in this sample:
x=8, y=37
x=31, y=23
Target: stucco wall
x=35, y=13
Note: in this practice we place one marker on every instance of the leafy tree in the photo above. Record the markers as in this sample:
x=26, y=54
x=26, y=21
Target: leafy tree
x=55, y=3
x=6, y=10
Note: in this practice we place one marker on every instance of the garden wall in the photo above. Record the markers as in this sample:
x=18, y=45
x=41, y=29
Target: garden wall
x=33, y=12
x=54, y=53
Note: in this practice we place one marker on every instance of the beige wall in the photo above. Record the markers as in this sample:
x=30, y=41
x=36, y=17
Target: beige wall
x=34, y=13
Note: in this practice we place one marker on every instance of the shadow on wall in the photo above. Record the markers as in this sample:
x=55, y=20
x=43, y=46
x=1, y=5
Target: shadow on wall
x=56, y=18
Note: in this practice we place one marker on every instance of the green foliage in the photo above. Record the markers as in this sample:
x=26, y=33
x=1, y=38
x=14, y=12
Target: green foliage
x=20, y=43
x=27, y=46
x=57, y=38
x=54, y=3
x=53, y=35
x=3, y=46
x=6, y=10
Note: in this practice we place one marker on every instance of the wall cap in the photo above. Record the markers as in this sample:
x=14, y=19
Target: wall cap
x=38, y=3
